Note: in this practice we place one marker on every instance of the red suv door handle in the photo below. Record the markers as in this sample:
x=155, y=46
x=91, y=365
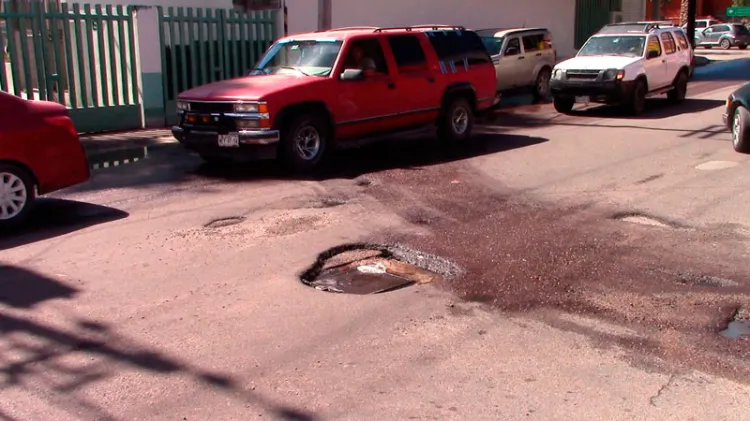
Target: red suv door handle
x=391, y=85
x=431, y=79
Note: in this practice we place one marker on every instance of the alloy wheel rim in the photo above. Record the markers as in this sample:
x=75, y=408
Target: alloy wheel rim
x=460, y=120
x=736, y=128
x=307, y=143
x=13, y=195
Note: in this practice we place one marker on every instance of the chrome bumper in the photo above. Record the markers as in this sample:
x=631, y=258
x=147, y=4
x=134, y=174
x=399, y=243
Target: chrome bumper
x=247, y=137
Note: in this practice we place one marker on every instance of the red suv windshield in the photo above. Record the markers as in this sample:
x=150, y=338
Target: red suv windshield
x=309, y=57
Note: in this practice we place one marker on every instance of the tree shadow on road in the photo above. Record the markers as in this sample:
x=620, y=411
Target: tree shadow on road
x=38, y=358
x=55, y=217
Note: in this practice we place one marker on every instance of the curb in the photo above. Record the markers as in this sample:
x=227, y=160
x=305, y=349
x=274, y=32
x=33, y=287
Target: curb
x=122, y=156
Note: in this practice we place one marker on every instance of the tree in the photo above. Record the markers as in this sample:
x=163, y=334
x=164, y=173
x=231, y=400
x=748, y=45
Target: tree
x=684, y=11
x=741, y=3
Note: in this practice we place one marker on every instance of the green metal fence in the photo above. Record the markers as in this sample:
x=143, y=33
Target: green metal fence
x=206, y=45
x=591, y=15
x=82, y=57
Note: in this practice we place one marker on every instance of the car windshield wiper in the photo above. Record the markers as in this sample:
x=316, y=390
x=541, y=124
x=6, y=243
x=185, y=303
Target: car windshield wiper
x=295, y=68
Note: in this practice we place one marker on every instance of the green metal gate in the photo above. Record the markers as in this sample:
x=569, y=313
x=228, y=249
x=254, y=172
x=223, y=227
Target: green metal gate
x=207, y=45
x=591, y=15
x=82, y=57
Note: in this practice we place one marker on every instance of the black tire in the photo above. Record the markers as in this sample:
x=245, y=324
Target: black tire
x=541, y=86
x=456, y=121
x=314, y=129
x=742, y=47
x=725, y=44
x=16, y=177
x=677, y=95
x=638, y=102
x=563, y=105
x=741, y=130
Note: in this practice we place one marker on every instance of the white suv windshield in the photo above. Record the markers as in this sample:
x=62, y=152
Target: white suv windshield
x=614, y=45
x=309, y=57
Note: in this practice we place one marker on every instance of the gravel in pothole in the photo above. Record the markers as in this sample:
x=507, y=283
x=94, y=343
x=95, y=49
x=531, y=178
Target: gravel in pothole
x=529, y=257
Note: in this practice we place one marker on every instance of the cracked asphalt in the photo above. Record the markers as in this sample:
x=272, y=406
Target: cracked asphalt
x=165, y=289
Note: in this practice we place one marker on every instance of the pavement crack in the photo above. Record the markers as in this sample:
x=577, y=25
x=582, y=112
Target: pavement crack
x=671, y=382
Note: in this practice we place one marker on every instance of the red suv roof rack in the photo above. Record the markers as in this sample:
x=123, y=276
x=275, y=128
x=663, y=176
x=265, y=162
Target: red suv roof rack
x=433, y=27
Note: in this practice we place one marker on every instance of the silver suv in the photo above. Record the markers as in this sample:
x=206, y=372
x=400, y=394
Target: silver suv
x=724, y=36
x=523, y=58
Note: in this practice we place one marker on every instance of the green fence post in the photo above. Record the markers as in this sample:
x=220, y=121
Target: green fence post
x=112, y=55
x=90, y=64
x=201, y=46
x=24, y=39
x=80, y=55
x=39, y=41
x=54, y=23
x=69, y=65
x=123, y=54
x=102, y=53
x=194, y=61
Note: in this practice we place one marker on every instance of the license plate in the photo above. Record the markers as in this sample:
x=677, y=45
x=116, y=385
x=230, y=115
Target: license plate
x=583, y=99
x=229, y=140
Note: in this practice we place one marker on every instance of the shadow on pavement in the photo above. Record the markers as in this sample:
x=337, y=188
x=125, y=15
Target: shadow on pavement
x=656, y=108
x=42, y=352
x=405, y=153
x=22, y=288
x=55, y=217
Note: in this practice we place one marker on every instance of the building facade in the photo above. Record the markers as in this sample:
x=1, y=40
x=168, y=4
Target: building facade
x=570, y=21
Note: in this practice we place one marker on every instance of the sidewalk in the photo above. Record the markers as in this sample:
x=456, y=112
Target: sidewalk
x=112, y=149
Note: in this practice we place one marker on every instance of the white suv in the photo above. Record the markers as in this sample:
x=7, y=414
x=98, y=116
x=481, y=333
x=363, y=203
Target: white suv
x=624, y=67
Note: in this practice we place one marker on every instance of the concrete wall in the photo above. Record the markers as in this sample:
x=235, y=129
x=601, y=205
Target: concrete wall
x=556, y=15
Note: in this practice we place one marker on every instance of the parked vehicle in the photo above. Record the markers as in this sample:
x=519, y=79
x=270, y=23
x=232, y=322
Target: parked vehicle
x=312, y=91
x=523, y=58
x=39, y=153
x=736, y=118
x=724, y=36
x=624, y=68
x=645, y=26
x=702, y=23
x=637, y=26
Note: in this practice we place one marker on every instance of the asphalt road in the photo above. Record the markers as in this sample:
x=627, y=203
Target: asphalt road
x=119, y=303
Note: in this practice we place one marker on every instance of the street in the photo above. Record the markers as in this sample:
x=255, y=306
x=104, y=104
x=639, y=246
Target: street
x=601, y=257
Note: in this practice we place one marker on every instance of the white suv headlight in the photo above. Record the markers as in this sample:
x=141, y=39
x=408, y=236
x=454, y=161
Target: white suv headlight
x=558, y=73
x=612, y=74
x=183, y=106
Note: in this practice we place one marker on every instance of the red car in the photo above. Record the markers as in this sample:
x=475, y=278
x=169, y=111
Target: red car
x=312, y=91
x=39, y=153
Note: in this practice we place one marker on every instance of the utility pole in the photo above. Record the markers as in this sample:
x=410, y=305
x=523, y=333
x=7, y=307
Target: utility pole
x=691, y=12
x=656, y=9
x=324, y=15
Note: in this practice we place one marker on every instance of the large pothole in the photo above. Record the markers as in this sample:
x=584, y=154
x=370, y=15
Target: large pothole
x=739, y=326
x=365, y=268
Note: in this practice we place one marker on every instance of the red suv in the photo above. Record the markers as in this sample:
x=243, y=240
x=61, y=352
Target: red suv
x=311, y=91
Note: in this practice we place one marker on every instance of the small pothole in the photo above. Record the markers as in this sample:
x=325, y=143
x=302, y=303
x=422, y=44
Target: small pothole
x=739, y=326
x=224, y=222
x=363, y=181
x=647, y=220
x=705, y=280
x=365, y=268
x=329, y=202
